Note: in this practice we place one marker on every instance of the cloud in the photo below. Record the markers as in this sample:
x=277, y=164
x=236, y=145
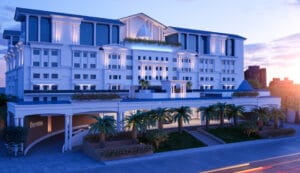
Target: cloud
x=281, y=57
x=292, y=2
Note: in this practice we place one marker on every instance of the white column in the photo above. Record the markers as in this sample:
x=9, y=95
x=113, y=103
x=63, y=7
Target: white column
x=27, y=28
x=66, y=144
x=39, y=28
x=16, y=122
x=70, y=131
x=122, y=121
x=119, y=121
x=21, y=122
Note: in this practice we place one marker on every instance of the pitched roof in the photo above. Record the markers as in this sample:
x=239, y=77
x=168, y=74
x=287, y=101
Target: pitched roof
x=144, y=15
x=245, y=86
x=205, y=32
x=20, y=12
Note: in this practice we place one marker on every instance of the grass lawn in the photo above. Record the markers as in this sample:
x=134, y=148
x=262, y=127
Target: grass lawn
x=231, y=134
x=177, y=141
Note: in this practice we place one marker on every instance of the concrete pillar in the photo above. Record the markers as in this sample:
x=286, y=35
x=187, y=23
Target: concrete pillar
x=119, y=121
x=49, y=122
x=16, y=122
x=21, y=122
x=66, y=144
x=27, y=28
x=110, y=34
x=122, y=121
x=70, y=132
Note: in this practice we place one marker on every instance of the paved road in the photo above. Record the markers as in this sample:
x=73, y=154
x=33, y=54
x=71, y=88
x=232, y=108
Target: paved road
x=283, y=164
x=186, y=161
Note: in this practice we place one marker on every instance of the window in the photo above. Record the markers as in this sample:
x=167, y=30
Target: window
x=36, y=52
x=128, y=57
x=156, y=58
x=93, y=87
x=53, y=99
x=55, y=53
x=45, y=64
x=36, y=64
x=162, y=58
x=201, y=78
x=84, y=65
x=54, y=64
x=146, y=68
x=77, y=54
x=211, y=79
x=36, y=75
x=46, y=75
x=76, y=65
x=93, y=65
x=85, y=76
x=174, y=59
x=174, y=68
x=129, y=77
x=183, y=41
x=84, y=54
x=150, y=58
x=102, y=34
x=144, y=57
x=115, y=34
x=174, y=78
x=115, y=76
x=45, y=87
x=46, y=52
x=139, y=67
x=139, y=77
x=85, y=87
x=167, y=68
x=224, y=79
x=77, y=87
x=45, y=29
x=93, y=55
x=76, y=76
x=33, y=28
x=205, y=44
x=54, y=87
x=93, y=76
x=36, y=99
x=86, y=33
x=167, y=59
x=160, y=68
x=54, y=76
x=139, y=57
x=128, y=67
x=232, y=79
x=36, y=87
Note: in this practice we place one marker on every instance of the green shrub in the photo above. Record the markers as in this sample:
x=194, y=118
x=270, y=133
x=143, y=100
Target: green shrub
x=14, y=134
x=156, y=137
x=249, y=128
x=271, y=133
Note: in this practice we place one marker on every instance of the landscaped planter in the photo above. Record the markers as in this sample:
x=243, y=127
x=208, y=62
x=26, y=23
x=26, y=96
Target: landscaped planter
x=115, y=151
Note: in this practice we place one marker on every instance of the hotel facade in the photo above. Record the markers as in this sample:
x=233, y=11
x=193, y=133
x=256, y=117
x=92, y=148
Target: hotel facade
x=55, y=56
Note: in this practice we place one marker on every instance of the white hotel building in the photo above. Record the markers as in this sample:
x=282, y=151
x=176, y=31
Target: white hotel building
x=55, y=55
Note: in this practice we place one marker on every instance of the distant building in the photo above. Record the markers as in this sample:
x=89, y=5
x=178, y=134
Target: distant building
x=258, y=74
x=285, y=83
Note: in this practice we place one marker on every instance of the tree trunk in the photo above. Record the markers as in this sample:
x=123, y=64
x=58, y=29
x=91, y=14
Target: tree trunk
x=160, y=124
x=235, y=120
x=260, y=124
x=102, y=139
x=180, y=125
x=222, y=120
x=207, y=122
x=134, y=134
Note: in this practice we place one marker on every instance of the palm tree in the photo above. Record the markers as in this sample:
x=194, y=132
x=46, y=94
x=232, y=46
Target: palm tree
x=180, y=115
x=235, y=112
x=138, y=121
x=262, y=115
x=277, y=115
x=209, y=113
x=160, y=115
x=144, y=83
x=222, y=110
x=104, y=125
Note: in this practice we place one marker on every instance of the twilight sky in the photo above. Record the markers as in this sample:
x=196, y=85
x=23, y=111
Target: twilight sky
x=272, y=27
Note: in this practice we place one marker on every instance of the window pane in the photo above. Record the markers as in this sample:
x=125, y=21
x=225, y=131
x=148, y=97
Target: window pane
x=86, y=33
x=115, y=34
x=33, y=28
x=45, y=29
x=102, y=36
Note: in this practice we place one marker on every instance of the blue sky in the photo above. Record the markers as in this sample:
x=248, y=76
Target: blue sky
x=262, y=22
